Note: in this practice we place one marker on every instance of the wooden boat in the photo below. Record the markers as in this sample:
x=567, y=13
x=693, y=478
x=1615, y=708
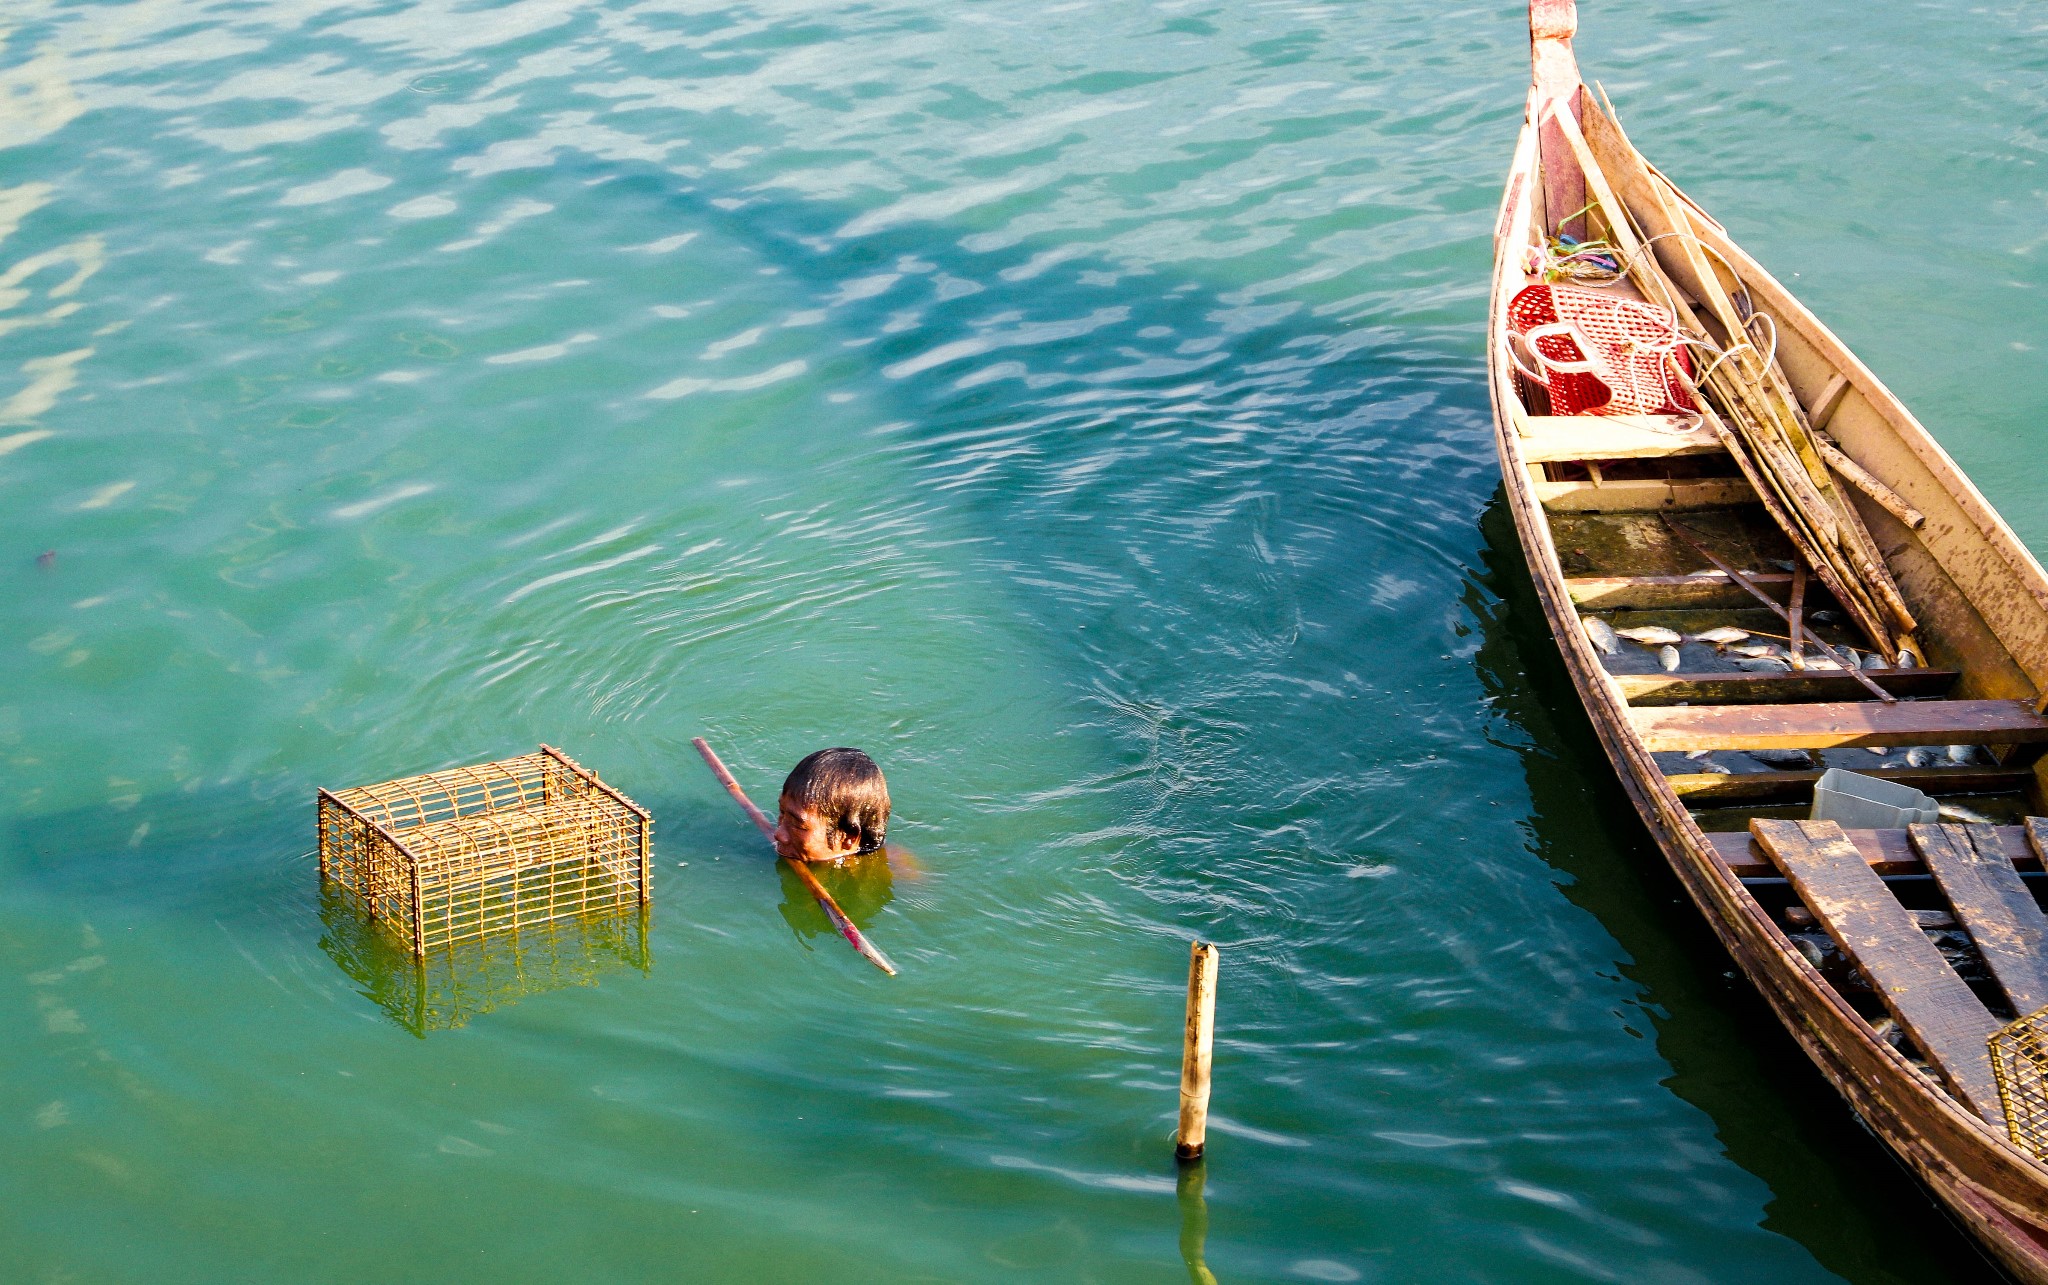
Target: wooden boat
x=1657, y=519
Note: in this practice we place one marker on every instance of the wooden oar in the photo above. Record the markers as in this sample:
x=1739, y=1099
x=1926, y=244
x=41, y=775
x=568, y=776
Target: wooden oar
x=761, y=822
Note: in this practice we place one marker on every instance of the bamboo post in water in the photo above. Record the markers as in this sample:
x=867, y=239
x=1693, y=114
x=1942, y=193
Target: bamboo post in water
x=1197, y=1044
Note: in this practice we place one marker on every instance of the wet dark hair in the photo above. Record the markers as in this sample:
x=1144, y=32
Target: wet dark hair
x=844, y=789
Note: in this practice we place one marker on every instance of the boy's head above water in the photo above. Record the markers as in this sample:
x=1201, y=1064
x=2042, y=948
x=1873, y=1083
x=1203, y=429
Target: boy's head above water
x=834, y=805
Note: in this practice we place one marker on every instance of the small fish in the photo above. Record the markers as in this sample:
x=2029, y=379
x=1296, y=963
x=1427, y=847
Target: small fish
x=1697, y=755
x=1874, y=661
x=1907, y=660
x=1715, y=769
x=1851, y=658
x=1822, y=662
x=1919, y=756
x=1668, y=658
x=1822, y=617
x=1957, y=812
x=1784, y=564
x=1753, y=650
x=1651, y=635
x=1762, y=664
x=1879, y=750
x=1782, y=758
x=1600, y=634
x=1721, y=637
x=1961, y=754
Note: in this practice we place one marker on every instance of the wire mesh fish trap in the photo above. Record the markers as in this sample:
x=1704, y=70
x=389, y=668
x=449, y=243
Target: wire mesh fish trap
x=2019, y=1062
x=473, y=851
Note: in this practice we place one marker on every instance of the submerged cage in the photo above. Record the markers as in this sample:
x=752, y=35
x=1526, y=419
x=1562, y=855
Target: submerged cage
x=474, y=851
x=2019, y=1062
x=445, y=988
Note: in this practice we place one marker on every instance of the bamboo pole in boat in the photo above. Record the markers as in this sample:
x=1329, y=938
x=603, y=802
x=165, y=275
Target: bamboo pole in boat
x=1804, y=517
x=1767, y=421
x=1197, y=1046
x=1794, y=648
x=868, y=950
x=1859, y=477
x=1783, y=427
x=1854, y=671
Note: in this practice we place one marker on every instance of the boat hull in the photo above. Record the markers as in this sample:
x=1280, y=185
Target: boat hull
x=1994, y=1190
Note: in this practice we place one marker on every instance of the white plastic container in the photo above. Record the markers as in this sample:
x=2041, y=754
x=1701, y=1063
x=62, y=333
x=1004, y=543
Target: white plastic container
x=1857, y=802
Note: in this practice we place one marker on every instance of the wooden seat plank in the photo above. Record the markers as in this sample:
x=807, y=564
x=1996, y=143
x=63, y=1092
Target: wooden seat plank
x=1706, y=589
x=1837, y=723
x=1976, y=874
x=1944, y=1017
x=1722, y=688
x=1614, y=437
x=1641, y=495
x=1887, y=852
x=1698, y=788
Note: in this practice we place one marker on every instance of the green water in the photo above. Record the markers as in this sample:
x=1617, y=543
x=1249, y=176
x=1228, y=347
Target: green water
x=1079, y=406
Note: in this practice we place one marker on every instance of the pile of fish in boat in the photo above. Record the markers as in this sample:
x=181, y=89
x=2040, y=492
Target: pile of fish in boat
x=1728, y=648
x=1740, y=649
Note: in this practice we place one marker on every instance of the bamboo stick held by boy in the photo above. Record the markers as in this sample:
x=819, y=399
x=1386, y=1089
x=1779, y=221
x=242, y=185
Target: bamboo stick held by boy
x=834, y=805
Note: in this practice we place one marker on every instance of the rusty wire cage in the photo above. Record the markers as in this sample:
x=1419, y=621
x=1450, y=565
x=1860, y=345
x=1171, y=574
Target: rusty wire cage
x=2019, y=1062
x=474, y=851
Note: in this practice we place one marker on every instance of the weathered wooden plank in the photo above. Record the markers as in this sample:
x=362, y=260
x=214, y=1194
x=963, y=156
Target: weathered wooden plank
x=1827, y=401
x=2036, y=832
x=1707, y=589
x=1837, y=723
x=1703, y=788
x=1976, y=874
x=1614, y=437
x=1888, y=852
x=1721, y=688
x=1885, y=851
x=1643, y=495
x=1944, y=1017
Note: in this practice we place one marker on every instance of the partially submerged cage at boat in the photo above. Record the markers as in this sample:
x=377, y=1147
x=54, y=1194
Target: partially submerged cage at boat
x=2019, y=1062
x=473, y=851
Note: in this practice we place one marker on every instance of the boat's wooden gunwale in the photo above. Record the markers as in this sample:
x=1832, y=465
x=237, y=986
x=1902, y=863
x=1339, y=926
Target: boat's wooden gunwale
x=1992, y=1187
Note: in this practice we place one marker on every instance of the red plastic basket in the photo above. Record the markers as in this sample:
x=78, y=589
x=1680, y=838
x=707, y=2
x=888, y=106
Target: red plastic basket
x=1626, y=371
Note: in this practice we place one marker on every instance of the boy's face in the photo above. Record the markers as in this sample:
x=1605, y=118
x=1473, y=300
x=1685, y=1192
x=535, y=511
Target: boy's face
x=801, y=836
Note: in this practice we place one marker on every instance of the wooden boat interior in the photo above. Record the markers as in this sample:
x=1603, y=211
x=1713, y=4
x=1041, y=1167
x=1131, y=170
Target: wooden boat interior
x=1935, y=935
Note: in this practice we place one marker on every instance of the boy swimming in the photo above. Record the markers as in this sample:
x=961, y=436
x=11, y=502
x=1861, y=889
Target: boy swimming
x=835, y=805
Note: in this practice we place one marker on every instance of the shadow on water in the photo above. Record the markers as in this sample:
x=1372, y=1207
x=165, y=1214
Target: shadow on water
x=1835, y=1188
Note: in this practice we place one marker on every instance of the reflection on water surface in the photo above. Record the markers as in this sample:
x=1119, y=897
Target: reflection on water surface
x=452, y=984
